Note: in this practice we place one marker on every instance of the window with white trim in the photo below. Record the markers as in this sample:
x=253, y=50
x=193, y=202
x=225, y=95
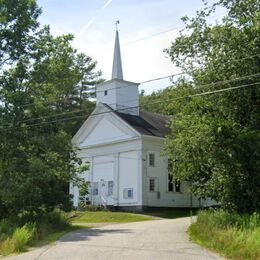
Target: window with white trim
x=95, y=188
x=110, y=188
x=151, y=159
x=105, y=93
x=174, y=185
x=128, y=193
x=152, y=185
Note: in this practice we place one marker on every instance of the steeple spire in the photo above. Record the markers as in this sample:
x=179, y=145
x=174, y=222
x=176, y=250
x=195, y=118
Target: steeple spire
x=117, y=72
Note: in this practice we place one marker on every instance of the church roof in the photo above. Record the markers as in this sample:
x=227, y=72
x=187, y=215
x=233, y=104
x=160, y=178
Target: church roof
x=147, y=123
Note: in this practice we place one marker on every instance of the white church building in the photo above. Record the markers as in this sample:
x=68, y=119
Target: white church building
x=123, y=147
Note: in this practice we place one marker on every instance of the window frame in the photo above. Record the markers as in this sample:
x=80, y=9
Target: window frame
x=126, y=193
x=154, y=188
x=174, y=181
x=110, y=188
x=105, y=92
x=151, y=155
x=95, y=188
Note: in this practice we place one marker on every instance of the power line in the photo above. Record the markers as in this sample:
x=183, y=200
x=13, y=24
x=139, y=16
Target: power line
x=198, y=87
x=177, y=74
x=146, y=37
x=118, y=110
x=151, y=80
x=142, y=39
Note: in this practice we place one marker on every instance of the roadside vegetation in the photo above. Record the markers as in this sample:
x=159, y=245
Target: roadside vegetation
x=16, y=235
x=215, y=139
x=233, y=235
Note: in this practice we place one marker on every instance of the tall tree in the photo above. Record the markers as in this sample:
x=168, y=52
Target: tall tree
x=18, y=19
x=215, y=140
x=43, y=100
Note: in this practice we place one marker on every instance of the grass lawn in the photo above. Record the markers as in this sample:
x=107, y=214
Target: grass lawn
x=124, y=217
x=108, y=216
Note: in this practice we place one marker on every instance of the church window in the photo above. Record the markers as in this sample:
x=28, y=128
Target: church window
x=177, y=185
x=95, y=188
x=128, y=193
x=110, y=188
x=105, y=93
x=151, y=184
x=151, y=159
x=174, y=185
x=170, y=182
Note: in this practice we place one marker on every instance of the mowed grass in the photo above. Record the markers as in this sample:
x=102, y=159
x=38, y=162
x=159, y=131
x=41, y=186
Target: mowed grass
x=109, y=217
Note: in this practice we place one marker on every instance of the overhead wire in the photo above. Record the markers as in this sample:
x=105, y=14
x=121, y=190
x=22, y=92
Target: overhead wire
x=141, y=39
x=122, y=109
x=143, y=82
x=197, y=87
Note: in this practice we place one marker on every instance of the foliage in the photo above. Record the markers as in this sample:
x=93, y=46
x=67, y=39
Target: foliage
x=7, y=247
x=19, y=240
x=235, y=236
x=16, y=236
x=22, y=236
x=18, y=19
x=44, y=91
x=92, y=207
x=83, y=193
x=215, y=139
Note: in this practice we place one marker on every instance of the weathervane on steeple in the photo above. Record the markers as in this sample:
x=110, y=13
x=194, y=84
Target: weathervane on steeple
x=116, y=24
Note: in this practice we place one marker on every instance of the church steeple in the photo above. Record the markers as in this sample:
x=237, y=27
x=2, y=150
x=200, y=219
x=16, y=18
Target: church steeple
x=117, y=72
x=119, y=94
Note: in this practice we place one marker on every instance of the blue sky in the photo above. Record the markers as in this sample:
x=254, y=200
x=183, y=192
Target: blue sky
x=92, y=23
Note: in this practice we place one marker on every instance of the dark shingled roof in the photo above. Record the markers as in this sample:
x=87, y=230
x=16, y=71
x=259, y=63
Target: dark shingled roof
x=147, y=123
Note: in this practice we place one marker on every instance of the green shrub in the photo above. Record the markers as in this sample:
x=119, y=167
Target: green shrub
x=7, y=247
x=22, y=237
x=6, y=227
x=94, y=208
x=57, y=220
x=16, y=237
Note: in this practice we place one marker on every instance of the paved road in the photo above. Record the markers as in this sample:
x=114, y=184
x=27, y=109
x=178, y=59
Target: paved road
x=157, y=239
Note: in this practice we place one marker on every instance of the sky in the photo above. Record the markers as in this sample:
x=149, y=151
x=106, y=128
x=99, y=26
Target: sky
x=146, y=28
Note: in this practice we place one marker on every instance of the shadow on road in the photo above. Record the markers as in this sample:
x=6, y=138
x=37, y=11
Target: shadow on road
x=85, y=234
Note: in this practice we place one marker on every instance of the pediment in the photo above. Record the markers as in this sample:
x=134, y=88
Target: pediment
x=104, y=132
x=105, y=129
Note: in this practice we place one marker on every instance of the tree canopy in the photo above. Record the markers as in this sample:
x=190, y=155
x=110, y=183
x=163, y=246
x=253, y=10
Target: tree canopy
x=44, y=98
x=215, y=139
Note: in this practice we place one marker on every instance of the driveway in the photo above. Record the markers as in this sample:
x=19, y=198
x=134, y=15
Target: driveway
x=155, y=239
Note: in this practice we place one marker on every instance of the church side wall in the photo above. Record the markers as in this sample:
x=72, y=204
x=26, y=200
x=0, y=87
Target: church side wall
x=161, y=197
